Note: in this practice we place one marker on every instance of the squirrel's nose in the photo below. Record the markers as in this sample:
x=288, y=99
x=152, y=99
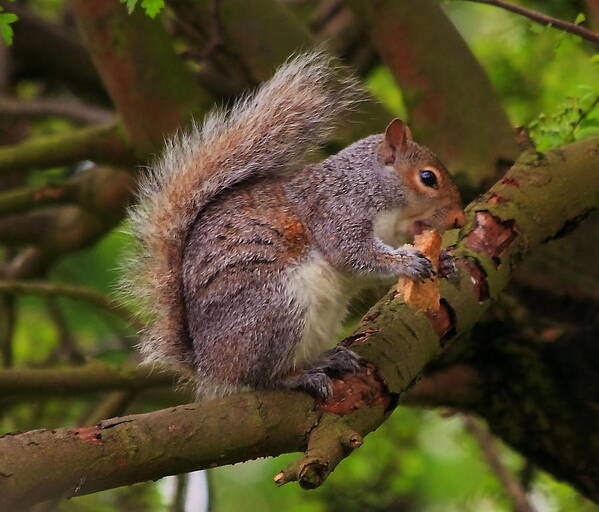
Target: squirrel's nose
x=459, y=219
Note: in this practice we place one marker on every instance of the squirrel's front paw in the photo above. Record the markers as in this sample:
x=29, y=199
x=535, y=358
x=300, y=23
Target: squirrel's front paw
x=414, y=263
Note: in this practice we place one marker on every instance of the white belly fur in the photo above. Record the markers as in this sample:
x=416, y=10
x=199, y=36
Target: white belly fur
x=389, y=227
x=324, y=293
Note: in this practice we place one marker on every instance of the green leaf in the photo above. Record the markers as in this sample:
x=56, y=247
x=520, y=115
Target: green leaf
x=6, y=18
x=152, y=7
x=130, y=5
x=595, y=58
x=537, y=29
x=580, y=18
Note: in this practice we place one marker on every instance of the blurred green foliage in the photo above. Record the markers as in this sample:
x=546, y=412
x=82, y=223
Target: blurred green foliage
x=150, y=7
x=545, y=78
x=418, y=460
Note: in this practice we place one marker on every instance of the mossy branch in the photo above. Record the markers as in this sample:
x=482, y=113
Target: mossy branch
x=99, y=189
x=88, y=378
x=83, y=293
x=104, y=143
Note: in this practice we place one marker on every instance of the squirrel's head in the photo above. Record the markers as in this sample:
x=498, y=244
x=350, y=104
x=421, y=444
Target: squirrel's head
x=431, y=198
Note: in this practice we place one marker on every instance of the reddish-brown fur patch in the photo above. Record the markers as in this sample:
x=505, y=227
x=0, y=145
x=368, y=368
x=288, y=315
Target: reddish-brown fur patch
x=271, y=198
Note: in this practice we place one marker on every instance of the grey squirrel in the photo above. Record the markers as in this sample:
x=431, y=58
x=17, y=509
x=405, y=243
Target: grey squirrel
x=248, y=256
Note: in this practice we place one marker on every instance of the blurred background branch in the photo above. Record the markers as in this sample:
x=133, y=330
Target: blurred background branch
x=544, y=19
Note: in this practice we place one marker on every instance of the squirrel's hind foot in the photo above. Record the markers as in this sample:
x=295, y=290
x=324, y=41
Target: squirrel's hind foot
x=339, y=360
x=316, y=381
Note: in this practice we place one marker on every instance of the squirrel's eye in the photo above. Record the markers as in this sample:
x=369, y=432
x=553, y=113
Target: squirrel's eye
x=428, y=178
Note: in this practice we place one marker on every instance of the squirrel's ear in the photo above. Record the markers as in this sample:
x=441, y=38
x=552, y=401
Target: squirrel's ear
x=397, y=136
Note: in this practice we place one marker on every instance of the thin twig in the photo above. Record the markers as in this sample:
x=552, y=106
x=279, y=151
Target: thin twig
x=93, y=377
x=114, y=404
x=7, y=325
x=544, y=19
x=75, y=292
x=511, y=485
x=583, y=115
x=59, y=107
x=67, y=345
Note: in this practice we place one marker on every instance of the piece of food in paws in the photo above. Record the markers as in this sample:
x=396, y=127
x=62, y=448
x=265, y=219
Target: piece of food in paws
x=424, y=295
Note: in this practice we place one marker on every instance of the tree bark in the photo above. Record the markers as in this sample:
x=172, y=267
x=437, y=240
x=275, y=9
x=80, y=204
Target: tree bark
x=144, y=76
x=593, y=6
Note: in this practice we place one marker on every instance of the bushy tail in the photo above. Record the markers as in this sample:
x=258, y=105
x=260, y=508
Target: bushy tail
x=266, y=132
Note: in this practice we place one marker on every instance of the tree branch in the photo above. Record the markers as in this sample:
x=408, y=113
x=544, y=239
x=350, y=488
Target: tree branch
x=539, y=197
x=144, y=76
x=456, y=386
x=511, y=485
x=43, y=107
x=45, y=49
x=72, y=291
x=28, y=262
x=256, y=45
x=67, y=344
x=102, y=143
x=7, y=327
x=89, y=378
x=115, y=404
x=103, y=194
x=24, y=198
x=543, y=19
x=593, y=6
x=95, y=189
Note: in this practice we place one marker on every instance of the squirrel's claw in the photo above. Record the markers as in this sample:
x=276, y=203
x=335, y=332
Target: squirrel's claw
x=314, y=382
x=447, y=265
x=340, y=360
x=415, y=264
